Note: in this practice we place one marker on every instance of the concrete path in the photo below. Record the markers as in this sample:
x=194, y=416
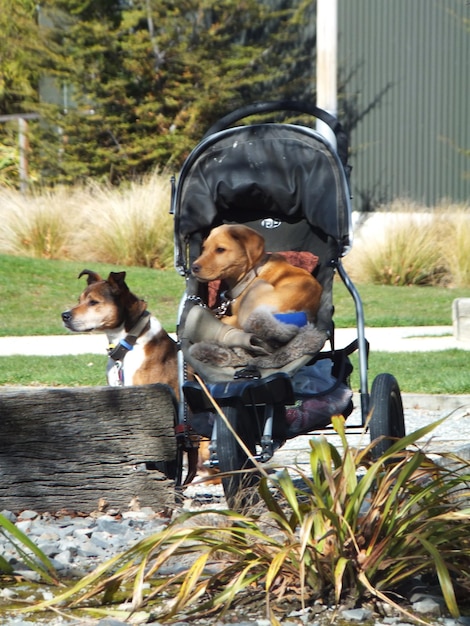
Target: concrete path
x=404, y=339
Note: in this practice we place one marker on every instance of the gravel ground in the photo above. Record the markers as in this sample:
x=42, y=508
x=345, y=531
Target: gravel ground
x=77, y=544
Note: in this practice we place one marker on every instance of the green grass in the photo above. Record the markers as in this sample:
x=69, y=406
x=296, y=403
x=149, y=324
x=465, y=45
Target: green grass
x=386, y=306
x=82, y=370
x=444, y=372
x=48, y=287
x=34, y=292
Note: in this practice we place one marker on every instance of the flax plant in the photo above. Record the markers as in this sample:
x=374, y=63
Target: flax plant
x=355, y=528
x=33, y=557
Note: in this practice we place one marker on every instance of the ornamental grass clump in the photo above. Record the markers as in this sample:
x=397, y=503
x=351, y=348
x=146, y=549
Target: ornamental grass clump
x=354, y=530
x=454, y=241
x=127, y=226
x=38, y=225
x=407, y=254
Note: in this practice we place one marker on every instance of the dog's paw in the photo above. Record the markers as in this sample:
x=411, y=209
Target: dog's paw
x=215, y=354
x=264, y=325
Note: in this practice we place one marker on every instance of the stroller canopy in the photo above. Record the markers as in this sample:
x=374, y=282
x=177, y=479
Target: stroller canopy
x=282, y=171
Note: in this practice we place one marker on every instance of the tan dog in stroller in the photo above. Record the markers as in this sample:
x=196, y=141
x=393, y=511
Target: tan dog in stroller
x=236, y=255
x=264, y=290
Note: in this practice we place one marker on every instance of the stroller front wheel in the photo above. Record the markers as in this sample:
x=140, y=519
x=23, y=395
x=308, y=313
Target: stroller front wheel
x=239, y=486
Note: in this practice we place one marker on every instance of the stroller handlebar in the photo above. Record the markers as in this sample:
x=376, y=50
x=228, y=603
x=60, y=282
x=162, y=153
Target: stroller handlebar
x=286, y=105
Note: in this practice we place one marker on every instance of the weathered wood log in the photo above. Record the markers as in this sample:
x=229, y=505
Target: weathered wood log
x=69, y=447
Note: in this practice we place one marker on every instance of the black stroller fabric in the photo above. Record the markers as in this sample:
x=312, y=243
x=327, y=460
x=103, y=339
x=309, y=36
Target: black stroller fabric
x=276, y=171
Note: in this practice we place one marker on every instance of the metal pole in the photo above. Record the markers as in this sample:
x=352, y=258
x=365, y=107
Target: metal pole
x=23, y=145
x=327, y=62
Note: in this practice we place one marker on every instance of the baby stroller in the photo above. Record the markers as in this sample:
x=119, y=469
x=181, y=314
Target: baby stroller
x=291, y=184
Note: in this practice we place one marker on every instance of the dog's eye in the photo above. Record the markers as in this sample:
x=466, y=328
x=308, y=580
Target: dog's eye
x=219, y=250
x=93, y=302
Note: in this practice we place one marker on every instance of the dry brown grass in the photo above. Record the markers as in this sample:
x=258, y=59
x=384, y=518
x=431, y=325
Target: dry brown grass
x=132, y=226
x=411, y=245
x=127, y=226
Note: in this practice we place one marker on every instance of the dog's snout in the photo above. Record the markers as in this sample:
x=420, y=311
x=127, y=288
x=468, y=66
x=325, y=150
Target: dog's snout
x=66, y=316
x=195, y=268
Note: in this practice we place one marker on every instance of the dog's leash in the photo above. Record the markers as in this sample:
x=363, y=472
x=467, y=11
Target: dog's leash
x=117, y=353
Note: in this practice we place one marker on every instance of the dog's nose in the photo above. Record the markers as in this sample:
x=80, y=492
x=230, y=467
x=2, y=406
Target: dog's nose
x=195, y=268
x=66, y=316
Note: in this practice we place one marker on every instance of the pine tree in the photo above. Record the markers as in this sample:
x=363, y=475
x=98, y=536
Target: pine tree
x=148, y=77
x=23, y=55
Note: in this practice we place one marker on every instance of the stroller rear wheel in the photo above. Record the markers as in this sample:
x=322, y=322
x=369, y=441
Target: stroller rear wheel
x=387, y=417
x=239, y=487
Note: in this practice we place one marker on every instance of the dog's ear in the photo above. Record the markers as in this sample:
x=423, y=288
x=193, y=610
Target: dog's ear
x=252, y=242
x=117, y=281
x=93, y=277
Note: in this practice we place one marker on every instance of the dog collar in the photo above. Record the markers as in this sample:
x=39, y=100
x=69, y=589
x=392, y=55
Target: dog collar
x=229, y=296
x=117, y=353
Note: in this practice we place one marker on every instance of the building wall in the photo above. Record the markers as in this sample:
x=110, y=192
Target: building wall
x=414, y=57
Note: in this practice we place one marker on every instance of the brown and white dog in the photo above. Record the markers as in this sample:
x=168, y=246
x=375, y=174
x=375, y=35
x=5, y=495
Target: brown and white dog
x=236, y=254
x=141, y=351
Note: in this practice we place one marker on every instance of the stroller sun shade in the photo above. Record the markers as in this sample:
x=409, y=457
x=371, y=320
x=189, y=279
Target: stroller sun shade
x=282, y=171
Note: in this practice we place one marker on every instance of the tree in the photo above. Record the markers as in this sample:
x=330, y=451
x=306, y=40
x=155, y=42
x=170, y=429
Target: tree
x=148, y=77
x=23, y=55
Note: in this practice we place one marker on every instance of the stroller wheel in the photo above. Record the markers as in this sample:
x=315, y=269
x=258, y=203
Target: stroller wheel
x=240, y=487
x=387, y=419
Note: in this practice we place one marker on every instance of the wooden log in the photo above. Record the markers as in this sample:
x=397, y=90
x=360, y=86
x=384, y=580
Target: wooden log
x=69, y=447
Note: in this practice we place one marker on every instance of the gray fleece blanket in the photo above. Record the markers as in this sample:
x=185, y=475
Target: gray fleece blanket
x=283, y=343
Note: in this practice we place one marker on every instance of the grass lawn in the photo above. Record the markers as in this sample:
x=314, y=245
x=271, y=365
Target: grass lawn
x=445, y=372
x=34, y=292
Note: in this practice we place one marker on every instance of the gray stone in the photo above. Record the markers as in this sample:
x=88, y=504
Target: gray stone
x=356, y=615
x=461, y=318
x=87, y=550
x=30, y=575
x=24, y=526
x=111, y=526
x=427, y=606
x=9, y=515
x=64, y=557
x=81, y=533
x=28, y=514
x=50, y=548
x=102, y=540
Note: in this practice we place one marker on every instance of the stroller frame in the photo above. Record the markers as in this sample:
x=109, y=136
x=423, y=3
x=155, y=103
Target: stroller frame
x=220, y=175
